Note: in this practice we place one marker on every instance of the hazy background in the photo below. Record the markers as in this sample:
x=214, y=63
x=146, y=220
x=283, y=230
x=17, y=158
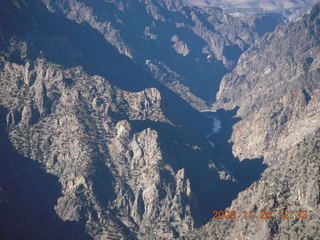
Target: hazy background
x=289, y=8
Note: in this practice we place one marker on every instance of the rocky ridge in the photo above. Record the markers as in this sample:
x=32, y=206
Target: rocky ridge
x=276, y=85
x=121, y=163
x=290, y=185
x=116, y=148
x=186, y=49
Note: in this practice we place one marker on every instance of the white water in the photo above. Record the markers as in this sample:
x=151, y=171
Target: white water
x=216, y=127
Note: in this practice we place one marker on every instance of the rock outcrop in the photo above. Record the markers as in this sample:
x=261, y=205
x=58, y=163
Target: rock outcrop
x=122, y=162
x=98, y=142
x=186, y=49
x=290, y=185
x=276, y=85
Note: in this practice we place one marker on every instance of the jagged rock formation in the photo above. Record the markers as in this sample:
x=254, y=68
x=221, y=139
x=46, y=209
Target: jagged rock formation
x=276, y=85
x=117, y=181
x=123, y=162
x=28, y=195
x=93, y=132
x=186, y=49
x=292, y=184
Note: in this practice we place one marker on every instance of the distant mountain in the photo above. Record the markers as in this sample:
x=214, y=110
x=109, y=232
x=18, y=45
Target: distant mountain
x=288, y=8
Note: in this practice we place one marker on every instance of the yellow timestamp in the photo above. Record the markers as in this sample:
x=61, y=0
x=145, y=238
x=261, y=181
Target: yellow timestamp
x=281, y=214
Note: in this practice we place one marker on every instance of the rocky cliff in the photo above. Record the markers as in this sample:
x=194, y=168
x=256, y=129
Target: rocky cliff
x=186, y=49
x=276, y=86
x=98, y=139
x=92, y=140
x=290, y=185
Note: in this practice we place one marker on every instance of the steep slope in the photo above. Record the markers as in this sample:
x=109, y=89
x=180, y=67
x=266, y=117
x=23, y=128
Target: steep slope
x=290, y=185
x=28, y=196
x=125, y=163
x=89, y=106
x=188, y=50
x=276, y=85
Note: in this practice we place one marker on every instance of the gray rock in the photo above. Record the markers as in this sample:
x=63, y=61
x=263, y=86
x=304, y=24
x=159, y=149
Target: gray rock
x=142, y=30
x=276, y=86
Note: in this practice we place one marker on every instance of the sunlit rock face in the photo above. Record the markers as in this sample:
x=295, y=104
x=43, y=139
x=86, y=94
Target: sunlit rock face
x=276, y=87
x=101, y=137
x=90, y=112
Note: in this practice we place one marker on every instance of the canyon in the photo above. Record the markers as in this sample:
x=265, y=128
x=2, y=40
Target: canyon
x=135, y=119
